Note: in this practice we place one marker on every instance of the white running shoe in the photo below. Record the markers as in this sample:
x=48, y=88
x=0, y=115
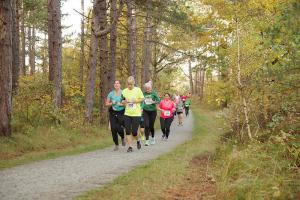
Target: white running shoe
x=147, y=143
x=152, y=140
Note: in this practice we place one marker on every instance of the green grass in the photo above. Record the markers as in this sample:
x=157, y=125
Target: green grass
x=51, y=142
x=256, y=171
x=152, y=179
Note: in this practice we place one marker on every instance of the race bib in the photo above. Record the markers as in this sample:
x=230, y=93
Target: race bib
x=148, y=101
x=167, y=113
x=130, y=105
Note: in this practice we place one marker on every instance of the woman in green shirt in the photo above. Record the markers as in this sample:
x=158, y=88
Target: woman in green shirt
x=150, y=112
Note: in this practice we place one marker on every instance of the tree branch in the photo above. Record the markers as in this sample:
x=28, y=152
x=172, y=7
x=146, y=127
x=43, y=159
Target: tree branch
x=105, y=31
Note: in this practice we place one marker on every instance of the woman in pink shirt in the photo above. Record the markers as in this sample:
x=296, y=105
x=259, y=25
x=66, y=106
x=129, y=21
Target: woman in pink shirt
x=166, y=106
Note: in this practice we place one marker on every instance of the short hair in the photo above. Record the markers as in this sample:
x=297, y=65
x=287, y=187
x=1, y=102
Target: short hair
x=117, y=81
x=148, y=85
x=167, y=94
x=131, y=80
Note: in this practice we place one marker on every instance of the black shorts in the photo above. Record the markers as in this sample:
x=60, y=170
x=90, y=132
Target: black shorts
x=178, y=113
x=131, y=125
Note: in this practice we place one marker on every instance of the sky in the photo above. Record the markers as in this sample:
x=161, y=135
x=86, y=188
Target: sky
x=73, y=18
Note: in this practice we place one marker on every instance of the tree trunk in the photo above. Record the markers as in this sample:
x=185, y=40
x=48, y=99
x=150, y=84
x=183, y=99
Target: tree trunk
x=113, y=42
x=23, y=51
x=55, y=49
x=131, y=37
x=32, y=51
x=240, y=85
x=82, y=50
x=90, y=82
x=105, y=78
x=197, y=86
x=15, y=45
x=191, y=77
x=145, y=75
x=5, y=66
x=202, y=78
x=44, y=59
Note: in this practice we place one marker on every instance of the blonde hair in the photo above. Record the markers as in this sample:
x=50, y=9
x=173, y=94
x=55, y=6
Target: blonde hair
x=131, y=80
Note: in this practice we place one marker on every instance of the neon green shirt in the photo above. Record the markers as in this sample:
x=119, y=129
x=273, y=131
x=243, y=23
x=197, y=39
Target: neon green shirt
x=132, y=109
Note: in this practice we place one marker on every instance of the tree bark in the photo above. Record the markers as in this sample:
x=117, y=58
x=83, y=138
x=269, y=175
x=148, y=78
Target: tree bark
x=55, y=50
x=23, y=51
x=131, y=38
x=202, y=78
x=44, y=59
x=32, y=51
x=90, y=82
x=240, y=85
x=5, y=67
x=146, y=60
x=15, y=45
x=191, y=76
x=105, y=78
x=113, y=41
x=197, y=83
x=82, y=50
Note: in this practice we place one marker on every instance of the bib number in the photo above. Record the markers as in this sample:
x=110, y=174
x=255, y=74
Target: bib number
x=148, y=101
x=167, y=113
x=130, y=105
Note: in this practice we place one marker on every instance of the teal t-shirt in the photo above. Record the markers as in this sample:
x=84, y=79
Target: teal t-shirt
x=150, y=101
x=115, y=100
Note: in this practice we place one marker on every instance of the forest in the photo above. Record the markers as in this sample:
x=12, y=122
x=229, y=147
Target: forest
x=240, y=58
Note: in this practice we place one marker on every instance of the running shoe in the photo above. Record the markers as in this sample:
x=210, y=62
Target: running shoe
x=116, y=148
x=129, y=149
x=147, y=143
x=162, y=137
x=123, y=142
x=166, y=139
x=152, y=140
x=138, y=144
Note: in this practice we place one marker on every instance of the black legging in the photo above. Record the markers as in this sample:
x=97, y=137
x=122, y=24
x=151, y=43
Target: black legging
x=187, y=108
x=149, y=120
x=132, y=125
x=165, y=124
x=116, y=119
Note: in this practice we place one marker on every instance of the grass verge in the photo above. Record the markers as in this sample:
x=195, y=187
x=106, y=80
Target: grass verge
x=154, y=179
x=51, y=142
x=256, y=171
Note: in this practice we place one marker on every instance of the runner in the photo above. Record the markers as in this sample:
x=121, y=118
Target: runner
x=187, y=104
x=183, y=98
x=132, y=98
x=116, y=114
x=179, y=111
x=166, y=106
x=150, y=112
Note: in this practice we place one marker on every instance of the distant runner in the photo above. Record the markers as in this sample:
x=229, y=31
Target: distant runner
x=179, y=111
x=187, y=104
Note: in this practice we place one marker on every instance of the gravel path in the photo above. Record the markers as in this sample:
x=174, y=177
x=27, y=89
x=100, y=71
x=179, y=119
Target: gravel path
x=69, y=176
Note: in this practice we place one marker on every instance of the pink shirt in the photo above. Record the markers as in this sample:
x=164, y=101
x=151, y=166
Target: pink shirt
x=168, y=107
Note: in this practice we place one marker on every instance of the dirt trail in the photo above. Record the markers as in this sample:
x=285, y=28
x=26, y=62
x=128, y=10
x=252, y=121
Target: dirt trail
x=69, y=176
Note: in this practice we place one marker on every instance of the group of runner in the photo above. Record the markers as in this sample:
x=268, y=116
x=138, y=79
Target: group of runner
x=131, y=108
